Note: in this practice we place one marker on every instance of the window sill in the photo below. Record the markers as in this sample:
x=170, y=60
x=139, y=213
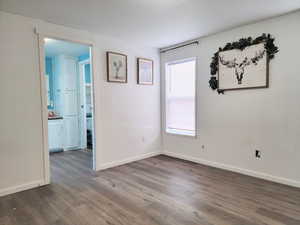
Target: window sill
x=181, y=132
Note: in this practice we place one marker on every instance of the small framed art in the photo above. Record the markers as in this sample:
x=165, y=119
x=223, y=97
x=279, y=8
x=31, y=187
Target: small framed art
x=144, y=71
x=116, y=67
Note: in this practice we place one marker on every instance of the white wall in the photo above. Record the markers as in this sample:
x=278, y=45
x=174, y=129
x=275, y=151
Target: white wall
x=127, y=115
x=233, y=125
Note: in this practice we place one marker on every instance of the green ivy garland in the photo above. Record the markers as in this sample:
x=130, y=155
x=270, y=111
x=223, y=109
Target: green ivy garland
x=241, y=45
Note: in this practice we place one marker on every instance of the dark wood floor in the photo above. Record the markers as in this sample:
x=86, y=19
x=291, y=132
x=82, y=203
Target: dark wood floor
x=155, y=191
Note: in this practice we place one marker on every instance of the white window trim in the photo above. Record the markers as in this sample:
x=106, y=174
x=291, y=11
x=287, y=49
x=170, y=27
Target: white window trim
x=176, y=131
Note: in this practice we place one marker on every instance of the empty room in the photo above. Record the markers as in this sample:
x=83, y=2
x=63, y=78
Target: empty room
x=161, y=112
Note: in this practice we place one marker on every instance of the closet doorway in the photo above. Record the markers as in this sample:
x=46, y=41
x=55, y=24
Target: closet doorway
x=67, y=78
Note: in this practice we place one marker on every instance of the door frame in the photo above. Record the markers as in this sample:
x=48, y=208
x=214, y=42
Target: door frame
x=43, y=93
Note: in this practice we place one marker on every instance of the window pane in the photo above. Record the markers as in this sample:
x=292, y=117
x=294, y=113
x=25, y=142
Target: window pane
x=180, y=93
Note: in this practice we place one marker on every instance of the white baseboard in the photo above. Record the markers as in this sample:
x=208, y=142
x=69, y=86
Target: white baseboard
x=22, y=187
x=127, y=160
x=251, y=173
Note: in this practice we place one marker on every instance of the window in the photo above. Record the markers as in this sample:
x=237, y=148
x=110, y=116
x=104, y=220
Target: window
x=180, y=97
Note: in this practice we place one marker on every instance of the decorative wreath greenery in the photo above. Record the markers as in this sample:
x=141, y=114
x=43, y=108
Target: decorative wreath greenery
x=241, y=45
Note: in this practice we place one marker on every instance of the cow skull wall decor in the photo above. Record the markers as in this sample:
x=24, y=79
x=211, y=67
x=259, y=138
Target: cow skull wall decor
x=242, y=64
x=239, y=67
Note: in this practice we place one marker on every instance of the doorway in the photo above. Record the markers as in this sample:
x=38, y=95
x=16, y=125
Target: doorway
x=68, y=81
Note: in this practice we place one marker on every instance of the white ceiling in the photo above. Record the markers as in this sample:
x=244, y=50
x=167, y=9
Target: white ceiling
x=57, y=47
x=156, y=23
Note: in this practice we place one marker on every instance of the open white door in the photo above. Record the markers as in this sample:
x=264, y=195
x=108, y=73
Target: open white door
x=83, y=109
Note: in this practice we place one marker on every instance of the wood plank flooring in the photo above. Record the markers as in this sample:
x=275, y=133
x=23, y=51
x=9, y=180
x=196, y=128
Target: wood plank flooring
x=155, y=191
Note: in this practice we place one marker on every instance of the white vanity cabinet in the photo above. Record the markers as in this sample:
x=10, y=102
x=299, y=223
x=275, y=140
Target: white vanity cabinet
x=56, y=134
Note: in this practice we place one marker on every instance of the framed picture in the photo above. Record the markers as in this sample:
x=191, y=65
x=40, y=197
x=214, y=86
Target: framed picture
x=243, y=69
x=144, y=71
x=116, y=67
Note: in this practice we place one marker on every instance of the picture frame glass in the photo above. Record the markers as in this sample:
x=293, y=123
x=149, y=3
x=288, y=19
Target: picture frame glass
x=145, y=71
x=243, y=69
x=117, y=67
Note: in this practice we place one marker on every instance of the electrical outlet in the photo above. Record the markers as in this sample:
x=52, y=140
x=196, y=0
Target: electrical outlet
x=258, y=154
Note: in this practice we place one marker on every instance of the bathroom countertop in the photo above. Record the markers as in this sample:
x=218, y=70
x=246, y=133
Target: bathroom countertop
x=55, y=118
